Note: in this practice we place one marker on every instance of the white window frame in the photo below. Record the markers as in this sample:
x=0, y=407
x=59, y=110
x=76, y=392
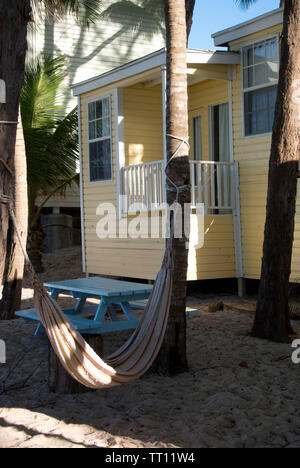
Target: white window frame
x=257, y=87
x=95, y=140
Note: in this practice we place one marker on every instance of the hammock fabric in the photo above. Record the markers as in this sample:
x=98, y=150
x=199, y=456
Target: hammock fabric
x=133, y=359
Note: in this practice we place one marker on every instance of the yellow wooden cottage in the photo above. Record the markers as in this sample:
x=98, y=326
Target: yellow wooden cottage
x=123, y=153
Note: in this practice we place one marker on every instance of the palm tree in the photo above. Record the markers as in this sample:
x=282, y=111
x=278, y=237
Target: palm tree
x=51, y=142
x=15, y=16
x=172, y=357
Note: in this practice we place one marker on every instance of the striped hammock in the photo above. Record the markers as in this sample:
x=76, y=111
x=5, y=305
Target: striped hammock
x=132, y=360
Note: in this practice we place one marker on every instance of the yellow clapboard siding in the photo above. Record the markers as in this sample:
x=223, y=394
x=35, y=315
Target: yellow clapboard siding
x=253, y=154
x=143, y=126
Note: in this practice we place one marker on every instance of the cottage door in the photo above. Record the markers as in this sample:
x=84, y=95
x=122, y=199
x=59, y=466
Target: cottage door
x=220, y=152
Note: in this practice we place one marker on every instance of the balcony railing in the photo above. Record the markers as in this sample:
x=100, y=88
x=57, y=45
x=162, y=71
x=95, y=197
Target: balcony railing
x=143, y=186
x=212, y=183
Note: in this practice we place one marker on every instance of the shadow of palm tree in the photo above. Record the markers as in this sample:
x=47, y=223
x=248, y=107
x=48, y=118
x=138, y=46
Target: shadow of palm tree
x=134, y=19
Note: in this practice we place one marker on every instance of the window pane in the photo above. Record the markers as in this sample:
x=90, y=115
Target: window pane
x=105, y=107
x=259, y=107
x=100, y=160
x=106, y=126
x=98, y=109
x=99, y=126
x=272, y=69
x=272, y=50
x=260, y=74
x=248, y=77
x=260, y=63
x=248, y=56
x=262, y=122
x=92, y=108
x=259, y=53
x=92, y=131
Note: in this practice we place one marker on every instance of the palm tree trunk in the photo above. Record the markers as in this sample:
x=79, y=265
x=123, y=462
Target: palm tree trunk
x=272, y=314
x=14, y=261
x=14, y=16
x=172, y=358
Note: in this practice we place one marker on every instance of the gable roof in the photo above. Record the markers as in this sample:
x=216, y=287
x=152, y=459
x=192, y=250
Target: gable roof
x=272, y=18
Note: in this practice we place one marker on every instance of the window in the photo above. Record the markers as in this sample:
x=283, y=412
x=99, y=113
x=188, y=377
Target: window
x=260, y=79
x=99, y=136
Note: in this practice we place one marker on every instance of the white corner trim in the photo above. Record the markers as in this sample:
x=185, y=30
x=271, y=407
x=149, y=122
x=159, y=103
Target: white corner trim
x=164, y=116
x=120, y=141
x=81, y=188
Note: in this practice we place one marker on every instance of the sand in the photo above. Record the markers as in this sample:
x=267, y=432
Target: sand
x=239, y=391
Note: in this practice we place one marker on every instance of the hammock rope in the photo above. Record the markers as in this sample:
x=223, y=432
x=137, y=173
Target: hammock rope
x=136, y=356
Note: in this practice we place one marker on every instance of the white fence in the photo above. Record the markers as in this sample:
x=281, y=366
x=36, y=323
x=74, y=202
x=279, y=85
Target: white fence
x=212, y=183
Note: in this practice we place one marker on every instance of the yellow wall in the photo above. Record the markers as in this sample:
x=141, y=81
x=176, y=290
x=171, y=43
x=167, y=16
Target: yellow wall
x=143, y=124
x=141, y=258
x=252, y=153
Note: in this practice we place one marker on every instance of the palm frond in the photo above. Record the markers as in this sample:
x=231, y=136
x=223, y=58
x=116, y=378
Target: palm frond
x=41, y=92
x=52, y=153
x=51, y=140
x=245, y=4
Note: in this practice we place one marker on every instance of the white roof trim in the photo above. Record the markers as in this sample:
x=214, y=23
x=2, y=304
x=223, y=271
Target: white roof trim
x=151, y=61
x=222, y=38
x=141, y=65
x=217, y=57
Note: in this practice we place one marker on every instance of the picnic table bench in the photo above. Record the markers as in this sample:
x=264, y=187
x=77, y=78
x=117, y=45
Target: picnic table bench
x=113, y=296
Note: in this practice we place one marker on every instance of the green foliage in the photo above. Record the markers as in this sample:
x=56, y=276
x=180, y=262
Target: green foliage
x=51, y=140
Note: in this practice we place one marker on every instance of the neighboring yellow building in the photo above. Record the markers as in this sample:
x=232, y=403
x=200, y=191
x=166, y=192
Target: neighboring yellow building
x=123, y=152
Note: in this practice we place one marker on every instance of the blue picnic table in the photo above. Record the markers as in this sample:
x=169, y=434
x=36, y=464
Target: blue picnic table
x=113, y=296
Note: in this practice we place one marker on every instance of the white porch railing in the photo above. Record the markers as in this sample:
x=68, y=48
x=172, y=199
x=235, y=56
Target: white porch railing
x=212, y=183
x=143, y=186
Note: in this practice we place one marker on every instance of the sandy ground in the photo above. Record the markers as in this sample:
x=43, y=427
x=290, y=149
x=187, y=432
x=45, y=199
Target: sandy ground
x=239, y=391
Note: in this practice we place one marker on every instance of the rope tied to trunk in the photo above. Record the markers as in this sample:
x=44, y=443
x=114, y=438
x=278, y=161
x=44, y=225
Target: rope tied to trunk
x=175, y=188
x=6, y=166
